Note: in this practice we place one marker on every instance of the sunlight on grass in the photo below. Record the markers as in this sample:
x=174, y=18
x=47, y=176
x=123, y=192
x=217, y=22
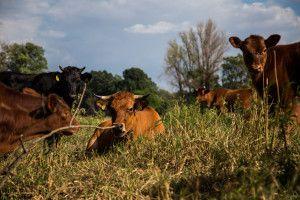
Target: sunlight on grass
x=200, y=156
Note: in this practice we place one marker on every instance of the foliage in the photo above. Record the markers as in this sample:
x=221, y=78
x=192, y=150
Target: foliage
x=196, y=60
x=234, y=73
x=136, y=79
x=201, y=156
x=24, y=58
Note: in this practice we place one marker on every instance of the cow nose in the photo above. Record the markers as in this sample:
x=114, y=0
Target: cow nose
x=120, y=127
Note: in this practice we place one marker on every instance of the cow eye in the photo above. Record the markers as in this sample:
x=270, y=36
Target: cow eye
x=130, y=109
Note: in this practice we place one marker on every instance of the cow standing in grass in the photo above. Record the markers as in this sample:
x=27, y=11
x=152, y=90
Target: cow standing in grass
x=274, y=68
x=222, y=98
x=132, y=117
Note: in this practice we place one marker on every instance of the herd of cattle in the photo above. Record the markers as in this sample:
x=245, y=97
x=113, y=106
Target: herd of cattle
x=33, y=105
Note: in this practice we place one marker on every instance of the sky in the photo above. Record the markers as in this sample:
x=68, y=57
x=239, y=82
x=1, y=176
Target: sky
x=114, y=35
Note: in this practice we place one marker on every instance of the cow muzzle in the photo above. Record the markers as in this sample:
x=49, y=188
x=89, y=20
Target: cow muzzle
x=120, y=129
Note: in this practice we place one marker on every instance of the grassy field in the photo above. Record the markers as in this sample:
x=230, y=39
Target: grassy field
x=201, y=156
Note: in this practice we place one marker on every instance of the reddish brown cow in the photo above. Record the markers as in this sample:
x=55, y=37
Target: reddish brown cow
x=131, y=114
x=31, y=117
x=276, y=68
x=222, y=98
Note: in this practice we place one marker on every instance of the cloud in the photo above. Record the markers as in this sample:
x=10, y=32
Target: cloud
x=19, y=30
x=111, y=33
x=54, y=34
x=159, y=27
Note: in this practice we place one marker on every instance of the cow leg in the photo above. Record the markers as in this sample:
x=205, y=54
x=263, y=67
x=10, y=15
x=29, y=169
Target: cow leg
x=93, y=143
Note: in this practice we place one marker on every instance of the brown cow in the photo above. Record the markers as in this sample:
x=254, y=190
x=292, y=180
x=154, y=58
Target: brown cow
x=39, y=117
x=131, y=114
x=276, y=68
x=222, y=98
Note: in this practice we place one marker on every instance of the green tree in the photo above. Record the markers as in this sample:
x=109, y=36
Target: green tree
x=136, y=79
x=25, y=58
x=234, y=73
x=104, y=83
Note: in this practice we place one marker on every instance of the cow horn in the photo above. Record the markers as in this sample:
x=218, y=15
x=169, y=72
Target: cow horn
x=103, y=97
x=60, y=67
x=140, y=96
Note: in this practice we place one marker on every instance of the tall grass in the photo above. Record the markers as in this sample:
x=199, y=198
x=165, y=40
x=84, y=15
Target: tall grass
x=200, y=156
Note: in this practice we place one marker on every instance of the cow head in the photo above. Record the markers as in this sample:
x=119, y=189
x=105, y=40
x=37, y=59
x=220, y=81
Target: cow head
x=254, y=50
x=122, y=107
x=72, y=79
x=59, y=114
x=202, y=94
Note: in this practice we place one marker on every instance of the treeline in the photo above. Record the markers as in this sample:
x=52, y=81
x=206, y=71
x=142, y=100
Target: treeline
x=134, y=80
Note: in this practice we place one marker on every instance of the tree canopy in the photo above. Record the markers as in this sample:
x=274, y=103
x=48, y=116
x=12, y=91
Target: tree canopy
x=24, y=58
x=234, y=73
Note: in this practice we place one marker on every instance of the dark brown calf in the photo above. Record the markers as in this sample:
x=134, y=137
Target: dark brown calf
x=276, y=68
x=30, y=116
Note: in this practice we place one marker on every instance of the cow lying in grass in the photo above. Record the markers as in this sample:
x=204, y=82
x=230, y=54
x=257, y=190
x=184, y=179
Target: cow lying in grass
x=132, y=116
x=222, y=98
x=25, y=117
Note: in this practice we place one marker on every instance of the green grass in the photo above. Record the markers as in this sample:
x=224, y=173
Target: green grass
x=206, y=156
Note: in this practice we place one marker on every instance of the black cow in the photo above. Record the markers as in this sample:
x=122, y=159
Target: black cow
x=66, y=84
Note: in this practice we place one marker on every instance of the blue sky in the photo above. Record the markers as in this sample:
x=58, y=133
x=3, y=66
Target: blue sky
x=116, y=34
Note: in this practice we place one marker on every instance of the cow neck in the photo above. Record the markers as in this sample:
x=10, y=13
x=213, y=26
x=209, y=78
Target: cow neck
x=37, y=127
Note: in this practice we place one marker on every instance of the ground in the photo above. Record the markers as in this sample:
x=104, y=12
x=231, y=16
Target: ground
x=202, y=155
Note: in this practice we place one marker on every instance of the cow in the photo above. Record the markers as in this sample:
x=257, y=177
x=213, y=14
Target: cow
x=132, y=117
x=66, y=84
x=25, y=117
x=273, y=68
x=222, y=98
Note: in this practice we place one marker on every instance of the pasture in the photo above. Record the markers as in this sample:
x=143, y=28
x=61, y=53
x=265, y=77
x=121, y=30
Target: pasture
x=201, y=155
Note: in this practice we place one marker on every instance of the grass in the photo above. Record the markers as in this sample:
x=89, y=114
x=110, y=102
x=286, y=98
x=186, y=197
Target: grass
x=201, y=156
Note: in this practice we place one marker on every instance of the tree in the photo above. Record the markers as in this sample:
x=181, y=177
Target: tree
x=234, y=73
x=196, y=60
x=25, y=58
x=136, y=79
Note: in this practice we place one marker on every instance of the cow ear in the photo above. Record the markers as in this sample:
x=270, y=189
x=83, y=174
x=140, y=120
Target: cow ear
x=102, y=104
x=206, y=91
x=52, y=102
x=140, y=101
x=86, y=77
x=61, y=68
x=103, y=101
x=82, y=69
x=235, y=42
x=272, y=40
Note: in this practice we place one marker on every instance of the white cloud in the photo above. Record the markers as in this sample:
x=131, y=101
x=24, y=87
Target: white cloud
x=159, y=27
x=19, y=30
x=54, y=34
